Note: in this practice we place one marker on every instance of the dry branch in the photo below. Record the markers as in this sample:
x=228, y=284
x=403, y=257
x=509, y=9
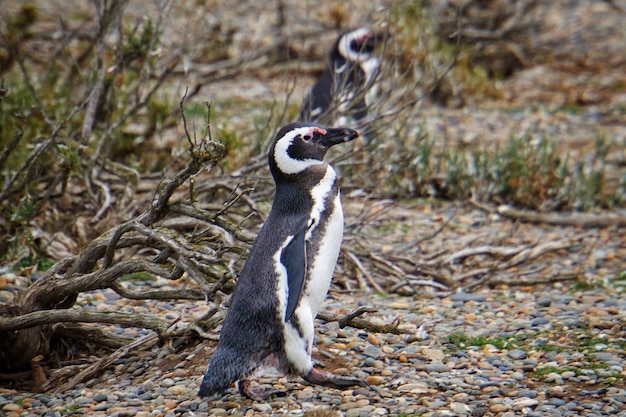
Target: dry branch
x=101, y=364
x=583, y=220
x=359, y=323
x=38, y=318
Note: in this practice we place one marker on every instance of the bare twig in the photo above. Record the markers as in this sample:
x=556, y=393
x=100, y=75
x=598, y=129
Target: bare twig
x=101, y=364
x=359, y=265
x=364, y=324
x=345, y=321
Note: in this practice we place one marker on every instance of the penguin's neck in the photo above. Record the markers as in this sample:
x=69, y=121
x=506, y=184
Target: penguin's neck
x=307, y=193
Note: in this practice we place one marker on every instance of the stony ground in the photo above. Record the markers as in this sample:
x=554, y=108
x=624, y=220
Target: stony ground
x=551, y=351
x=557, y=349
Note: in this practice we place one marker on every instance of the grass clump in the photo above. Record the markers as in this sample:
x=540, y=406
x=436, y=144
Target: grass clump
x=525, y=172
x=461, y=340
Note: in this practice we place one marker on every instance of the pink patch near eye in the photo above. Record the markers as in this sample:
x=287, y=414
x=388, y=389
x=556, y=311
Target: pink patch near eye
x=319, y=130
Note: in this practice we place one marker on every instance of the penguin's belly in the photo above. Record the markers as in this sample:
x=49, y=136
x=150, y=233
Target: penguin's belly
x=320, y=272
x=299, y=332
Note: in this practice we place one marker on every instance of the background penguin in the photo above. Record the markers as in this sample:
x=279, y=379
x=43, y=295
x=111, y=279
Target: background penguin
x=342, y=88
x=287, y=275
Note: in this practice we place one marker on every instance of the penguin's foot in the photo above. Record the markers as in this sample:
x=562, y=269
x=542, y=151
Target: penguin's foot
x=258, y=392
x=319, y=377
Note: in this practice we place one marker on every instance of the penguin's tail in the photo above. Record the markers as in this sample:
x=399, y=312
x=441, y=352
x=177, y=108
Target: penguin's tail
x=225, y=367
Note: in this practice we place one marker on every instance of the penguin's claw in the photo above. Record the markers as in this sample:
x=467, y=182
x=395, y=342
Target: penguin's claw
x=327, y=379
x=258, y=392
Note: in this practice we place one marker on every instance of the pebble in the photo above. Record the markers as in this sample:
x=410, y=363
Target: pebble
x=465, y=297
x=100, y=397
x=372, y=351
x=398, y=305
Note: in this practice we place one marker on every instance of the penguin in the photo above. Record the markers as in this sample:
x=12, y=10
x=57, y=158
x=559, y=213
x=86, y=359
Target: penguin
x=342, y=88
x=270, y=323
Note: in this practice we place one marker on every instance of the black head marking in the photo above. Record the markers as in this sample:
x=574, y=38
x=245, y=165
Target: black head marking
x=299, y=146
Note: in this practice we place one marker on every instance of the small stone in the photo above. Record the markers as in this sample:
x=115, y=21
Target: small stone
x=526, y=393
x=373, y=339
x=262, y=408
x=520, y=403
x=435, y=403
x=539, y=321
x=465, y=297
x=374, y=380
x=360, y=411
x=170, y=404
x=369, y=362
x=304, y=394
x=556, y=392
x=100, y=397
x=555, y=378
x=177, y=389
x=416, y=388
x=372, y=352
x=218, y=412
x=517, y=354
x=398, y=305
x=347, y=406
x=403, y=359
x=167, y=382
x=460, y=408
x=498, y=408
x=544, y=302
x=436, y=367
x=10, y=407
x=434, y=354
x=568, y=374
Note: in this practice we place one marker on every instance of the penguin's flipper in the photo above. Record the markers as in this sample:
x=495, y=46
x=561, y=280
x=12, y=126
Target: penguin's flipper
x=293, y=258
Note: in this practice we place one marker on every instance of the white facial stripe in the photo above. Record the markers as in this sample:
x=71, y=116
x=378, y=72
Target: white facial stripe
x=346, y=40
x=287, y=164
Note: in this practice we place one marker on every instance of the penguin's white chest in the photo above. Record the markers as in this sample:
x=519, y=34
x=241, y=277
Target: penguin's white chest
x=323, y=242
x=320, y=272
x=325, y=237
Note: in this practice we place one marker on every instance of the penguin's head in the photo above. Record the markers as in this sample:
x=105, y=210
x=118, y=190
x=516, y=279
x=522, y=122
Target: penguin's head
x=357, y=45
x=299, y=146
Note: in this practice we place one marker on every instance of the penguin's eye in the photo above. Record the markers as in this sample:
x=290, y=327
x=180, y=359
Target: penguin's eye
x=307, y=137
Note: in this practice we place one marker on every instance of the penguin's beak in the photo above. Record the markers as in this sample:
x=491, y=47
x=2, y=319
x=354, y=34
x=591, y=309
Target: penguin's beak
x=338, y=135
x=375, y=40
x=370, y=42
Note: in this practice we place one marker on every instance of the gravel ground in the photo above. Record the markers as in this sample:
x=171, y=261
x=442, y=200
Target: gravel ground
x=550, y=351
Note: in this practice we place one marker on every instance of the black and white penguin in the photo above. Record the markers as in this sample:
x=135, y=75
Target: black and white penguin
x=342, y=88
x=281, y=288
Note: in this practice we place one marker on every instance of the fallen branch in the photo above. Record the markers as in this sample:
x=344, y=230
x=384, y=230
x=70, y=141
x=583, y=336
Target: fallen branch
x=583, y=220
x=100, y=365
x=364, y=324
x=360, y=267
x=91, y=333
x=354, y=314
x=38, y=318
